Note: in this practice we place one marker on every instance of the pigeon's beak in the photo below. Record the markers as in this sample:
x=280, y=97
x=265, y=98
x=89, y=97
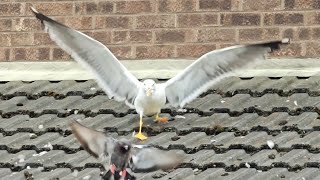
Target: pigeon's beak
x=149, y=92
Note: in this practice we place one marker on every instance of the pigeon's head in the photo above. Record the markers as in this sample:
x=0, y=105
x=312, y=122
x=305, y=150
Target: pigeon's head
x=123, y=146
x=149, y=86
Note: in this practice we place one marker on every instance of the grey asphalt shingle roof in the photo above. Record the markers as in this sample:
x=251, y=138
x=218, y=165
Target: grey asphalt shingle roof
x=223, y=134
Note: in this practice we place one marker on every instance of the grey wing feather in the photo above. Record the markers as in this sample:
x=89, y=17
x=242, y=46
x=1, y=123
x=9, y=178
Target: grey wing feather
x=94, y=142
x=149, y=159
x=213, y=67
x=114, y=78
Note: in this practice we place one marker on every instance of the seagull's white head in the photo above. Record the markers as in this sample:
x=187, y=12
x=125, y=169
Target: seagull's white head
x=149, y=86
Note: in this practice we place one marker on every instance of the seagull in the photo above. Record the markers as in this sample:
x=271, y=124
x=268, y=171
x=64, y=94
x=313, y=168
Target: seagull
x=122, y=154
x=148, y=97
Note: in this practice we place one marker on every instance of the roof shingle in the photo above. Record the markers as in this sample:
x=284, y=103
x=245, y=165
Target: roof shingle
x=222, y=134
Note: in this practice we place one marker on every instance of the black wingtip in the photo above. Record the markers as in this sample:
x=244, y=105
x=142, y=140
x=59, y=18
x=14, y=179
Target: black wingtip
x=274, y=45
x=40, y=16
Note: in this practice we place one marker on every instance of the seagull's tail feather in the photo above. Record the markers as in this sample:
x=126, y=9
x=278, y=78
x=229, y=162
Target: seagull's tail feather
x=274, y=45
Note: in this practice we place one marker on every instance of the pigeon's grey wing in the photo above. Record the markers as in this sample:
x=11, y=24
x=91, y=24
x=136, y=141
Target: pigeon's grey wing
x=94, y=142
x=149, y=159
x=111, y=75
x=211, y=68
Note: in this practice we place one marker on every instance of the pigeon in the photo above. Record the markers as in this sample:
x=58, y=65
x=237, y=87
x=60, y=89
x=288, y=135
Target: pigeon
x=148, y=97
x=118, y=155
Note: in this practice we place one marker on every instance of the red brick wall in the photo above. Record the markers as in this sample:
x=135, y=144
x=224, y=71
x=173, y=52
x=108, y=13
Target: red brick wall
x=138, y=29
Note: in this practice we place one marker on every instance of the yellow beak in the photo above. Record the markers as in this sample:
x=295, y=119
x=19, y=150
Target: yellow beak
x=149, y=92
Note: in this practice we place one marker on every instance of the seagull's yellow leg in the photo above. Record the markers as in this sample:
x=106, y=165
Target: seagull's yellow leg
x=140, y=135
x=161, y=119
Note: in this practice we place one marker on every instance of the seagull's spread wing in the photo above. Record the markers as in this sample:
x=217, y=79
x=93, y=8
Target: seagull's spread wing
x=114, y=78
x=147, y=159
x=94, y=142
x=211, y=68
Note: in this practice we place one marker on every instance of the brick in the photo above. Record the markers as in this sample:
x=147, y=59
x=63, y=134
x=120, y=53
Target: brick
x=268, y=19
x=155, y=21
x=177, y=5
x=102, y=36
x=140, y=36
x=312, y=18
x=118, y=22
x=165, y=36
x=100, y=8
x=31, y=54
x=289, y=4
x=100, y=22
x=250, y=34
x=236, y=5
x=11, y=9
x=290, y=50
x=59, y=54
x=191, y=35
x=5, y=24
x=155, y=51
x=106, y=7
x=295, y=18
x=216, y=5
x=194, y=51
x=216, y=35
x=134, y=7
x=119, y=36
x=19, y=54
x=300, y=33
x=259, y=34
x=21, y=39
x=197, y=20
x=5, y=39
x=240, y=19
x=304, y=33
x=316, y=4
x=79, y=22
x=289, y=33
x=254, y=5
x=92, y=8
x=301, y=4
x=80, y=8
x=42, y=39
x=315, y=33
x=313, y=49
x=43, y=54
x=4, y=54
x=121, y=52
x=26, y=24
x=283, y=19
x=52, y=8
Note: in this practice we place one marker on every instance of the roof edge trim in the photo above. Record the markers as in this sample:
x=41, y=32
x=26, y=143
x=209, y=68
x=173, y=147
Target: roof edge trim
x=158, y=68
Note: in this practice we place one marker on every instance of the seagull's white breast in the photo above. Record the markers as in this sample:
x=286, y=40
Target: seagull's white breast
x=150, y=105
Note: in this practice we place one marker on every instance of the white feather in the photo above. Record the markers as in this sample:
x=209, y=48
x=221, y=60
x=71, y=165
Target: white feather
x=96, y=72
x=208, y=70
